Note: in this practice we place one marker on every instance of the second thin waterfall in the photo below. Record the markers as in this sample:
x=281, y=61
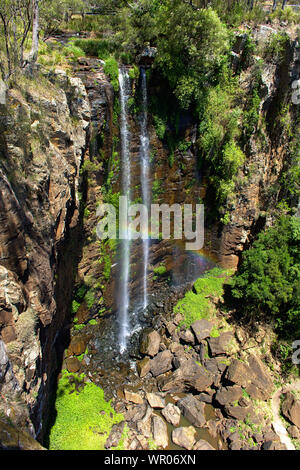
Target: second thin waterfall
x=145, y=180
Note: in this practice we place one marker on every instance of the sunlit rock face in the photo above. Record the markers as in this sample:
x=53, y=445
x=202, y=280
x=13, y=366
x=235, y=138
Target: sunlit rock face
x=46, y=125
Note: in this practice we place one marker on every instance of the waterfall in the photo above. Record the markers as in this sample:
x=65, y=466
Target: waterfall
x=125, y=91
x=126, y=181
x=144, y=161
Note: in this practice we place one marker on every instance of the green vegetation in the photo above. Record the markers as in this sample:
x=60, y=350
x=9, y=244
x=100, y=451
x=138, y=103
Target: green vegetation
x=157, y=189
x=84, y=419
x=83, y=294
x=89, y=298
x=111, y=68
x=276, y=47
x=134, y=72
x=288, y=14
x=267, y=284
x=101, y=48
x=91, y=167
x=189, y=54
x=159, y=271
x=196, y=303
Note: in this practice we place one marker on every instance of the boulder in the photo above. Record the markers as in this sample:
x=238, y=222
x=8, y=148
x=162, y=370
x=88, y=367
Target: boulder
x=150, y=343
x=239, y=373
x=193, y=410
x=238, y=412
x=160, y=432
x=220, y=344
x=115, y=435
x=211, y=365
x=201, y=329
x=77, y=345
x=161, y=363
x=187, y=336
x=179, y=361
x=143, y=366
x=133, y=397
x=171, y=328
x=205, y=397
x=171, y=413
x=227, y=395
x=294, y=432
x=155, y=401
x=189, y=376
x=144, y=425
x=202, y=445
x=273, y=445
x=261, y=386
x=72, y=364
x=184, y=437
x=291, y=409
x=136, y=413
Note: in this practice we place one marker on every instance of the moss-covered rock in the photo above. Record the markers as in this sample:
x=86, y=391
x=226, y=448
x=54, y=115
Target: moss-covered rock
x=84, y=418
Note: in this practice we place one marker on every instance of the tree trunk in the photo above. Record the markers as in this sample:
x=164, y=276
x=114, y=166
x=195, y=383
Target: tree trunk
x=274, y=5
x=35, y=32
x=8, y=56
x=283, y=4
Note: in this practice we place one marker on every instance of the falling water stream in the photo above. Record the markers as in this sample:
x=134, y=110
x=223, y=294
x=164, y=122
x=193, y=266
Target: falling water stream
x=132, y=311
x=125, y=92
x=145, y=180
x=125, y=241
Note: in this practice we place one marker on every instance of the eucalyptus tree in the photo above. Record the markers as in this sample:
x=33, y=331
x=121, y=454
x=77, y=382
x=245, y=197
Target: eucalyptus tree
x=35, y=31
x=16, y=20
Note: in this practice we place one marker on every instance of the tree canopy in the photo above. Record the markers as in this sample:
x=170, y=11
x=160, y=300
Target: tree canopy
x=267, y=284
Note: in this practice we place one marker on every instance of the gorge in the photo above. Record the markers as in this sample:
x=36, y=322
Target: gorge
x=140, y=344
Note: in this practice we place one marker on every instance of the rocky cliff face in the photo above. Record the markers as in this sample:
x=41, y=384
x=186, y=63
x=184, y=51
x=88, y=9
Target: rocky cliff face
x=267, y=151
x=45, y=125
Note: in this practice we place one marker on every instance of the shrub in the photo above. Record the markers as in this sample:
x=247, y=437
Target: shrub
x=267, y=284
x=111, y=69
x=160, y=270
x=89, y=298
x=233, y=158
x=286, y=14
x=73, y=51
x=101, y=48
x=276, y=47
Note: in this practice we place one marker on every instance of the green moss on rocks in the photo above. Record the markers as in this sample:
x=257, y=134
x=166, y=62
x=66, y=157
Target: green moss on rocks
x=84, y=419
x=197, y=304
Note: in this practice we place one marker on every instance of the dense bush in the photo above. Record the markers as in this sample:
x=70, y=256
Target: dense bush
x=95, y=47
x=190, y=48
x=267, y=283
x=111, y=68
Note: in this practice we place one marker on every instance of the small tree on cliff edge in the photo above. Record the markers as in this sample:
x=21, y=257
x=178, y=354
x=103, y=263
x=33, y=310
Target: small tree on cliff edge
x=16, y=19
x=35, y=32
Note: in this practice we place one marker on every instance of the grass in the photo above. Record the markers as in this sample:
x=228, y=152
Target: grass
x=79, y=424
x=196, y=304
